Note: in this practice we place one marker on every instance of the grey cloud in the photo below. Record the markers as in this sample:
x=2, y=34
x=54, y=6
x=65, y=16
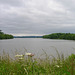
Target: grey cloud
x=11, y=2
x=37, y=16
x=68, y=4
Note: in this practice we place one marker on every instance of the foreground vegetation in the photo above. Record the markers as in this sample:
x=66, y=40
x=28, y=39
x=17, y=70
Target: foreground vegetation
x=5, y=36
x=67, y=36
x=27, y=65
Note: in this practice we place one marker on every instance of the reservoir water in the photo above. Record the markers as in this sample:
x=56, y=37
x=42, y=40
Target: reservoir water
x=37, y=46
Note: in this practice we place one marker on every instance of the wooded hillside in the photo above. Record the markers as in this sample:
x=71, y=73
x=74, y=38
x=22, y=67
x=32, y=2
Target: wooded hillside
x=67, y=36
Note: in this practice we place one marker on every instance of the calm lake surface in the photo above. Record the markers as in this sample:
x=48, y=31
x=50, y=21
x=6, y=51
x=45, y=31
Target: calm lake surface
x=36, y=46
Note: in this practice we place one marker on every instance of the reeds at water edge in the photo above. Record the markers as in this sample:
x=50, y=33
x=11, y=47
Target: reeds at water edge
x=26, y=64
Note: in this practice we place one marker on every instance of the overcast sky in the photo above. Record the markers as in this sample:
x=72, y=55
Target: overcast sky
x=37, y=17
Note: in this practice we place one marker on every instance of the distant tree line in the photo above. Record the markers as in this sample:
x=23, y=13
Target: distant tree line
x=67, y=36
x=5, y=36
x=27, y=36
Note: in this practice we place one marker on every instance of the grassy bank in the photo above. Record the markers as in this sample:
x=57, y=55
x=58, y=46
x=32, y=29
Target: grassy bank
x=27, y=65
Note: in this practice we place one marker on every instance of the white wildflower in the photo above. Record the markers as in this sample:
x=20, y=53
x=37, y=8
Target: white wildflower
x=21, y=58
x=19, y=55
x=28, y=53
x=57, y=66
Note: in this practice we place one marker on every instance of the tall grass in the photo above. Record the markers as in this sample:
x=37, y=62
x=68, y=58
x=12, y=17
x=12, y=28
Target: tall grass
x=27, y=65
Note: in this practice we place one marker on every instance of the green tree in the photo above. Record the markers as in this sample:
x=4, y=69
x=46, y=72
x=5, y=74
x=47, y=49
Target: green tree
x=5, y=36
x=67, y=36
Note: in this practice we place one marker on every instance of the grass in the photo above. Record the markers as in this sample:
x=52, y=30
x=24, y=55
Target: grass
x=27, y=65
